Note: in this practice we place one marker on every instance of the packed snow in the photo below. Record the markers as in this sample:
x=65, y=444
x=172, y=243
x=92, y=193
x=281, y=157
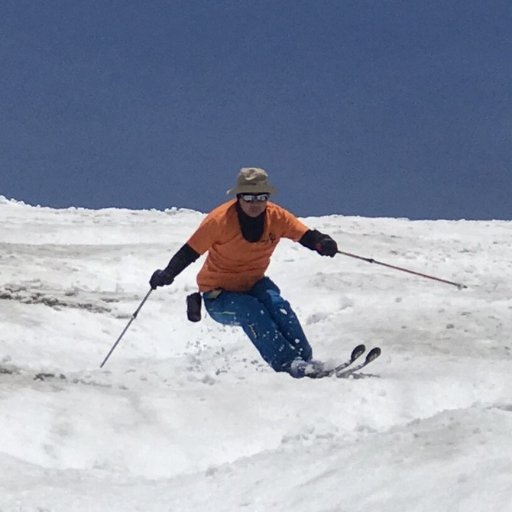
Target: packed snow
x=186, y=417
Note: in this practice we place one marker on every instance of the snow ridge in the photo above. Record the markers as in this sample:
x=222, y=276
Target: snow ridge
x=187, y=417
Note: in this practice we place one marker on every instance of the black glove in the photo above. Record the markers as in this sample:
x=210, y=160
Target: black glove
x=161, y=278
x=326, y=246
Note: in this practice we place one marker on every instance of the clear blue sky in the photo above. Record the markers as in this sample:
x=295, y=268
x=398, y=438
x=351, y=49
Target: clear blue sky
x=357, y=107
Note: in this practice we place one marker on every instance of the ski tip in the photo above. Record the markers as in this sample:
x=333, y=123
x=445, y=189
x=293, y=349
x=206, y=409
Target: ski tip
x=357, y=352
x=373, y=354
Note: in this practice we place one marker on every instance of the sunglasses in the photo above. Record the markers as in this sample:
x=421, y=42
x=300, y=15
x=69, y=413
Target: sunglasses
x=251, y=198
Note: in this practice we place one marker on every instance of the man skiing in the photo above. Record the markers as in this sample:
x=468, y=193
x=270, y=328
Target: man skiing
x=240, y=237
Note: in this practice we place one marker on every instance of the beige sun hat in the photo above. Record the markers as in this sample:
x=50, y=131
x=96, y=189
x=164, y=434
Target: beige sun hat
x=252, y=180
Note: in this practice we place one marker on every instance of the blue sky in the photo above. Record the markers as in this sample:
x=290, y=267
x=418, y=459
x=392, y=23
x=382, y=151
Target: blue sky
x=373, y=108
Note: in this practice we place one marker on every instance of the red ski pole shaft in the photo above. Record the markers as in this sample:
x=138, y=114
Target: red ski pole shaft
x=401, y=269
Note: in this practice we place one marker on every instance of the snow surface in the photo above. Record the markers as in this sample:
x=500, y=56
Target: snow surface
x=186, y=417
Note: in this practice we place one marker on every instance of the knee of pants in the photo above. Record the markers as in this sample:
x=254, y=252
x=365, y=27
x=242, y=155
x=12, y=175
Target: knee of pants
x=273, y=300
x=276, y=299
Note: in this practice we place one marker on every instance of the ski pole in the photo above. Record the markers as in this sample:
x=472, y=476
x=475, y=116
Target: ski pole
x=134, y=316
x=371, y=260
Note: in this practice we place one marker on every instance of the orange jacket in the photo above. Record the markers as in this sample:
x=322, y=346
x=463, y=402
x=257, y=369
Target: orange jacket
x=233, y=263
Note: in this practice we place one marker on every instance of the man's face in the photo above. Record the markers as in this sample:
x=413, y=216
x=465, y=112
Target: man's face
x=253, y=204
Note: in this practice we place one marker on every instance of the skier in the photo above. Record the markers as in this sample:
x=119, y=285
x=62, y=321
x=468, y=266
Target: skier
x=240, y=237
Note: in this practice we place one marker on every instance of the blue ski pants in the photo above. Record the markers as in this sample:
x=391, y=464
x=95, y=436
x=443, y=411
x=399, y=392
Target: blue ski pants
x=266, y=318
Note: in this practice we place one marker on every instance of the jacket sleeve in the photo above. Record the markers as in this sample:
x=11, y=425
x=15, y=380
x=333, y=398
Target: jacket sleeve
x=181, y=260
x=204, y=236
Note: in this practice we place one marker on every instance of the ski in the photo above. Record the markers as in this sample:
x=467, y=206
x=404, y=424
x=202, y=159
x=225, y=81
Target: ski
x=371, y=356
x=357, y=352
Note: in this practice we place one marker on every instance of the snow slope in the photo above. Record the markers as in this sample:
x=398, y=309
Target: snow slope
x=185, y=417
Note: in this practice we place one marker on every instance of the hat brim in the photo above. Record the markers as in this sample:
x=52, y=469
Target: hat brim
x=256, y=188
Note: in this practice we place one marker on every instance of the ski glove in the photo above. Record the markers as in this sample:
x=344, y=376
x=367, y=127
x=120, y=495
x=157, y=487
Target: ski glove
x=160, y=278
x=326, y=246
